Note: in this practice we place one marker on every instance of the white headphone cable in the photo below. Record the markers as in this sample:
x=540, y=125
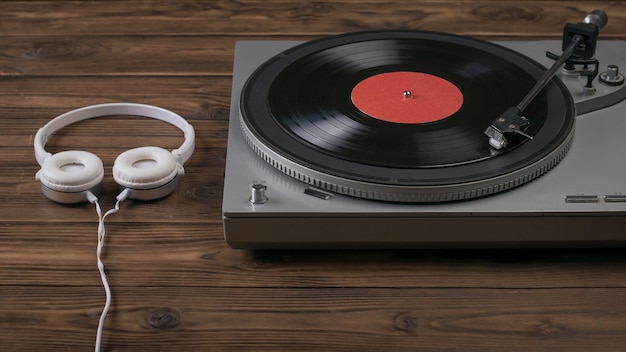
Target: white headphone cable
x=101, y=232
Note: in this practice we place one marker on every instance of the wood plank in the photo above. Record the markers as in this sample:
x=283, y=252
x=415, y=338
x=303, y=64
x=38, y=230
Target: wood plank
x=154, y=245
x=117, y=56
x=191, y=97
x=276, y=319
x=272, y=18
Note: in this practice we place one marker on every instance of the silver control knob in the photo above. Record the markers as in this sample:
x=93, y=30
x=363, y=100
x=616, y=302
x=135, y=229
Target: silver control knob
x=258, y=194
x=611, y=76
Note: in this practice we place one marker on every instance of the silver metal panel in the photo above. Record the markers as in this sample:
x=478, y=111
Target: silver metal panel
x=535, y=214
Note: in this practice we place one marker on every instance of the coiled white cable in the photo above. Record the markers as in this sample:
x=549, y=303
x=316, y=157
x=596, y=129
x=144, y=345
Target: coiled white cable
x=101, y=232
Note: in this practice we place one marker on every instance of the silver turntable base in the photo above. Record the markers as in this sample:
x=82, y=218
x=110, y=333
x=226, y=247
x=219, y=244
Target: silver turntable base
x=581, y=202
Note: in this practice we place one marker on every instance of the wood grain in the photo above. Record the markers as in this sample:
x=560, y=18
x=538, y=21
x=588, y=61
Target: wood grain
x=364, y=319
x=176, y=284
x=279, y=18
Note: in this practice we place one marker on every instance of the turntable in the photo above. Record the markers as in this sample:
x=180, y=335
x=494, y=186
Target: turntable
x=399, y=139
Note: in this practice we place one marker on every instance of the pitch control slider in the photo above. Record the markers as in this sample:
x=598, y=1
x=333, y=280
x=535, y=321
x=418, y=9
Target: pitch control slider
x=579, y=41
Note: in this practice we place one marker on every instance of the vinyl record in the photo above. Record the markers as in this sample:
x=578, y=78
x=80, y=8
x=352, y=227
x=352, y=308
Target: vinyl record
x=400, y=115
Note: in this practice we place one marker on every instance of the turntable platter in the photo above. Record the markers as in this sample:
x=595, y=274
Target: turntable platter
x=337, y=113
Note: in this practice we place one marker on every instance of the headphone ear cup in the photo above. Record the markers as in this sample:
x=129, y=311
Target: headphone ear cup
x=66, y=176
x=147, y=171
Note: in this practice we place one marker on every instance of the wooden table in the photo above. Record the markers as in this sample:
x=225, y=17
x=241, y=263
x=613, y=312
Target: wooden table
x=176, y=284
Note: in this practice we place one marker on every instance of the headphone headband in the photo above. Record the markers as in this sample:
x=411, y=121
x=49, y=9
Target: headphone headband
x=181, y=154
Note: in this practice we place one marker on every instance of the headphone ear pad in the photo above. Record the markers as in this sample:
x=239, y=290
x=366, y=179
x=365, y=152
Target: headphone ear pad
x=145, y=168
x=72, y=171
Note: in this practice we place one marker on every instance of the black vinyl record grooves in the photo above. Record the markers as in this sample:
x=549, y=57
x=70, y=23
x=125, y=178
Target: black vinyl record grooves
x=297, y=112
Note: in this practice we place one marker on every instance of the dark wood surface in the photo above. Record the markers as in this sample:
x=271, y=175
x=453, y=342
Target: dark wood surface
x=176, y=284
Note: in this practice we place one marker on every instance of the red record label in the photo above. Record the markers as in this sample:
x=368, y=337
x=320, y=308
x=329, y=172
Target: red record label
x=407, y=97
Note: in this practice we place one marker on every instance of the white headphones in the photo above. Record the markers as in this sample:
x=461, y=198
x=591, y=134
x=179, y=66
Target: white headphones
x=146, y=172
